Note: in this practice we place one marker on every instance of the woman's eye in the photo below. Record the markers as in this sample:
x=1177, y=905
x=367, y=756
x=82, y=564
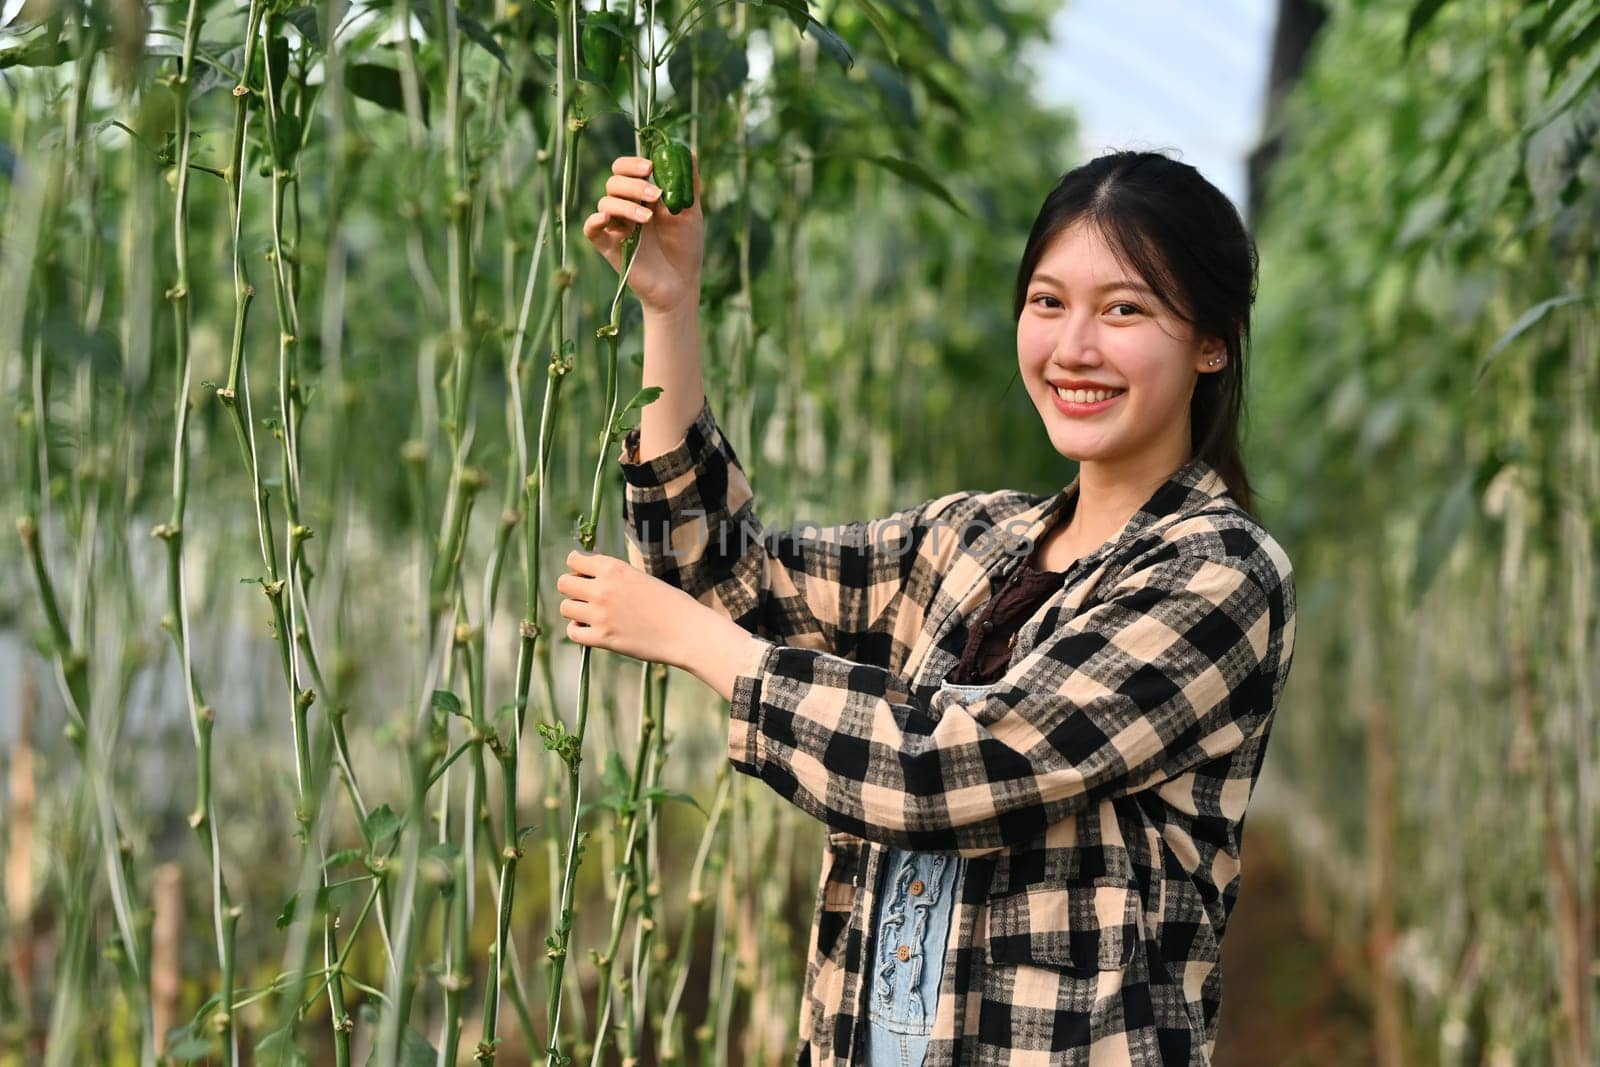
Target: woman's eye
x=1045, y=296
x=1134, y=307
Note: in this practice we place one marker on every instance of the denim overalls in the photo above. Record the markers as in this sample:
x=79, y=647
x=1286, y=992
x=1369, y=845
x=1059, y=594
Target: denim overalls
x=911, y=934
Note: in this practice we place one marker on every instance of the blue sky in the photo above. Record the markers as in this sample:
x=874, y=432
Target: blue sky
x=1167, y=74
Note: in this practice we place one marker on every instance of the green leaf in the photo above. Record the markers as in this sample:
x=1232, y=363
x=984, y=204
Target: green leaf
x=663, y=793
x=286, y=916
x=1424, y=217
x=715, y=58
x=447, y=702
x=213, y=75
x=480, y=35
x=558, y=740
x=304, y=19
x=1570, y=90
x=381, y=85
x=937, y=90
x=444, y=855
x=1579, y=41
x=604, y=23
x=277, y=56
x=40, y=53
x=621, y=426
x=831, y=44
x=278, y=1047
x=595, y=98
x=1421, y=14
x=916, y=175
x=881, y=25
x=1558, y=152
x=932, y=26
x=287, y=141
x=186, y=1046
x=443, y=851
x=474, y=30
x=194, y=1023
x=616, y=773
x=895, y=92
x=797, y=10
x=1451, y=514
x=328, y=898
x=609, y=802
x=1525, y=322
x=344, y=855
x=380, y=824
x=415, y=1051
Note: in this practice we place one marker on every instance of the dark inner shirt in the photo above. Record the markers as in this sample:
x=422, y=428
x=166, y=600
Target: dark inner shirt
x=991, y=637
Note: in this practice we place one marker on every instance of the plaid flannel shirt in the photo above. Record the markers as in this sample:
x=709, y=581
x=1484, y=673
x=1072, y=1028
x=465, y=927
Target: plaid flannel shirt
x=1098, y=790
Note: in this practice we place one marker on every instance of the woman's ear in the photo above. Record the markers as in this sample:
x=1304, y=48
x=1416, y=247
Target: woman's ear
x=1213, y=356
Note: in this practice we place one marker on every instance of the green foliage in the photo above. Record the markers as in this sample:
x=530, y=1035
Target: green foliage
x=1425, y=417
x=368, y=274
x=381, y=824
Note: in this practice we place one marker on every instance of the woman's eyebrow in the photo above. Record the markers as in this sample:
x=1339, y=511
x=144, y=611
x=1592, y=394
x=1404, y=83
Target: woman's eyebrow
x=1123, y=283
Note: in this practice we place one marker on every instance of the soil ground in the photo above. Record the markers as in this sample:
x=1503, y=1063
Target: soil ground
x=1284, y=1003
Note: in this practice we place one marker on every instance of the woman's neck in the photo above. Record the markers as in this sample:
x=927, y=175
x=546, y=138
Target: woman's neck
x=1109, y=494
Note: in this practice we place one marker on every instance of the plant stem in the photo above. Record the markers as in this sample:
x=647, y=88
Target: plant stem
x=668, y=1031
x=202, y=717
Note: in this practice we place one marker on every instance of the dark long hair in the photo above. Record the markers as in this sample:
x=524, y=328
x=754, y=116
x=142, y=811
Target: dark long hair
x=1185, y=238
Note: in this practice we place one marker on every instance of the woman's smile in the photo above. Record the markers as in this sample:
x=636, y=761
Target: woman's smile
x=1077, y=403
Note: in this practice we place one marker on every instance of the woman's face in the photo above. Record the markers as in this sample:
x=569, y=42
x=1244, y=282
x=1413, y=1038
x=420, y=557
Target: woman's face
x=1087, y=323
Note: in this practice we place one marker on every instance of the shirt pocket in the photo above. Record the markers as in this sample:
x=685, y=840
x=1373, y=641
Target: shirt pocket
x=840, y=885
x=841, y=878
x=1082, y=926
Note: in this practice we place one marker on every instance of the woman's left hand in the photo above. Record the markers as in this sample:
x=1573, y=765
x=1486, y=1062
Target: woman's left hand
x=614, y=606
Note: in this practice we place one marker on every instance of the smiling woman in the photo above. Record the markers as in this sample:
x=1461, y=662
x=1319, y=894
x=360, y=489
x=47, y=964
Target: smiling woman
x=1113, y=379
x=1034, y=780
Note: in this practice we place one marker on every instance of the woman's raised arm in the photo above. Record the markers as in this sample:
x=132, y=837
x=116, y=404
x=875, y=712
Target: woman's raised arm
x=665, y=276
x=689, y=510
x=689, y=518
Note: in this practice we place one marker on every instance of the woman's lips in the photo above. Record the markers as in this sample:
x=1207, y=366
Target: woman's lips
x=1077, y=410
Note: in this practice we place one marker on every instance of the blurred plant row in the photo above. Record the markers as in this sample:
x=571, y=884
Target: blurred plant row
x=311, y=383
x=1428, y=422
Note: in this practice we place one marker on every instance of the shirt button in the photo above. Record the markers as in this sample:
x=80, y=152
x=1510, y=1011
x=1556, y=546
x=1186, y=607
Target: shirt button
x=904, y=952
x=988, y=624
x=917, y=886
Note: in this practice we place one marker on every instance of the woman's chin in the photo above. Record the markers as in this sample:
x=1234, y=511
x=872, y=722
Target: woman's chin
x=1075, y=448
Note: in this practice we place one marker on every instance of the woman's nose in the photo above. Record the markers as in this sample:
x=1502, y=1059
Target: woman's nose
x=1076, y=343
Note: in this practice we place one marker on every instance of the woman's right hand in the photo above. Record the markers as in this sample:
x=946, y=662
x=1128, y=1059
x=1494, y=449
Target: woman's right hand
x=666, y=269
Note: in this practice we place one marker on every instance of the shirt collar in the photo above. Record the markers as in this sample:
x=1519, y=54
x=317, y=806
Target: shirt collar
x=1191, y=487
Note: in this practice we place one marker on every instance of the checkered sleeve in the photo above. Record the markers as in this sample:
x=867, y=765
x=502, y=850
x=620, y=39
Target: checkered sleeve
x=1169, y=667
x=689, y=519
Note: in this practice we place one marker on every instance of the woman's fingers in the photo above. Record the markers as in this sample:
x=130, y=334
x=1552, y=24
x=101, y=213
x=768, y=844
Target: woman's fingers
x=600, y=222
x=602, y=229
x=631, y=166
x=632, y=188
x=575, y=610
x=619, y=208
x=606, y=235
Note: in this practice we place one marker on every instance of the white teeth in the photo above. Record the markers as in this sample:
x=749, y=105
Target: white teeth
x=1087, y=396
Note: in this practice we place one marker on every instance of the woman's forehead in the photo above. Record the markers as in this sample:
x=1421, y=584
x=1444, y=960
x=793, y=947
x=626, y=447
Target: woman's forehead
x=1080, y=255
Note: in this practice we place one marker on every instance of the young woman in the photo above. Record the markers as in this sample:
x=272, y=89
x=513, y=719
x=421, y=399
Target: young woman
x=1030, y=724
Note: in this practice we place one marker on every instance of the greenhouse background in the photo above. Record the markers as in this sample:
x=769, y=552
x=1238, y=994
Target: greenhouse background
x=311, y=383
